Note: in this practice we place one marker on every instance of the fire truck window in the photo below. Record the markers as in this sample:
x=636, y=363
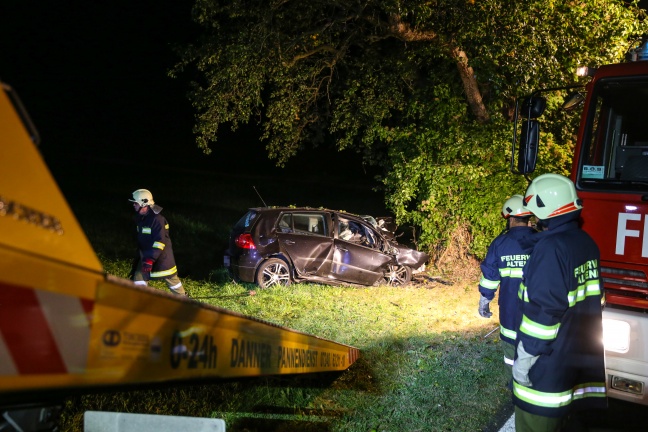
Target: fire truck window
x=615, y=152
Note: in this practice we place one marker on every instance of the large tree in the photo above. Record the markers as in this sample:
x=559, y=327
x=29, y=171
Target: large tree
x=423, y=89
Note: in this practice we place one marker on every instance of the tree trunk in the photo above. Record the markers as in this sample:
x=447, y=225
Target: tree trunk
x=470, y=85
x=404, y=32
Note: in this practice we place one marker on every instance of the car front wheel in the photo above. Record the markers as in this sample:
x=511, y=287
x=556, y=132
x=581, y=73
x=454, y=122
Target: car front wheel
x=273, y=272
x=398, y=275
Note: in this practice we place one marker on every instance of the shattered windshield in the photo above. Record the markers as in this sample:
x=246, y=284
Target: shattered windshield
x=614, y=155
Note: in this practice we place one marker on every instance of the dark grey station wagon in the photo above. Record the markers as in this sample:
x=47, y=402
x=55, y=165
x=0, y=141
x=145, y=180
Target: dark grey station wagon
x=278, y=245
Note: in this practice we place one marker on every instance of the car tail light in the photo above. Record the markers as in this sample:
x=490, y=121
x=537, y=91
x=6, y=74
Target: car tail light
x=244, y=241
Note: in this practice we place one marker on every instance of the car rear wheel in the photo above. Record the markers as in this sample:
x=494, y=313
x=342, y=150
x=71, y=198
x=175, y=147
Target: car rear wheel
x=273, y=272
x=398, y=275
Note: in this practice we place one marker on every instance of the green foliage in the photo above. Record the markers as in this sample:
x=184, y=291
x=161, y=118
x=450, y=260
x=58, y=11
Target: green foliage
x=383, y=78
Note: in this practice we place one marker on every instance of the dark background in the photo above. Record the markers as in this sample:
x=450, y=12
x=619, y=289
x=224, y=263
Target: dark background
x=93, y=76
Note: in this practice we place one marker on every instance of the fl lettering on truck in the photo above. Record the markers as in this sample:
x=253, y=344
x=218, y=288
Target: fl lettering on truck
x=632, y=225
x=610, y=172
x=67, y=327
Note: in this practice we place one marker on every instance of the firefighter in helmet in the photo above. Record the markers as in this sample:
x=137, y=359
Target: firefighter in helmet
x=560, y=368
x=156, y=260
x=502, y=268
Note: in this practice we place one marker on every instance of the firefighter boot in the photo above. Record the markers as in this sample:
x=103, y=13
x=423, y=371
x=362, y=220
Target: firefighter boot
x=179, y=291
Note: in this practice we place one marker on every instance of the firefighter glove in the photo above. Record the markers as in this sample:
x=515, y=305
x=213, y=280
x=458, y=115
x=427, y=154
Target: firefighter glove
x=484, y=310
x=522, y=365
x=147, y=265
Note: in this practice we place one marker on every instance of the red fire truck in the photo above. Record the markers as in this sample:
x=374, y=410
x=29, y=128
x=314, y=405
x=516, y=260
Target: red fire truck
x=610, y=171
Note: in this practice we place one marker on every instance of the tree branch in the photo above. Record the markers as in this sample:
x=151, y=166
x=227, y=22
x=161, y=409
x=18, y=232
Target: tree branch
x=319, y=49
x=470, y=85
x=404, y=32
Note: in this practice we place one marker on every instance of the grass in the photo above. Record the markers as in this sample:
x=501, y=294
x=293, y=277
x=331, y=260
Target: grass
x=426, y=363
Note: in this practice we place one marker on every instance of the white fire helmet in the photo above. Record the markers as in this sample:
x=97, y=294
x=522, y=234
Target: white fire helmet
x=143, y=197
x=551, y=195
x=514, y=206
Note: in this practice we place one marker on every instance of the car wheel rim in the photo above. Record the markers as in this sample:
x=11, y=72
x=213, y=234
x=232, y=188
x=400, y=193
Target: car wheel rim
x=275, y=274
x=397, y=275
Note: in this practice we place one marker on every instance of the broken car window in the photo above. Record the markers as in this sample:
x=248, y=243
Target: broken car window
x=309, y=223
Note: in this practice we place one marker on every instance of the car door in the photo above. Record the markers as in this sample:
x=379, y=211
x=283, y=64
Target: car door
x=306, y=237
x=357, y=256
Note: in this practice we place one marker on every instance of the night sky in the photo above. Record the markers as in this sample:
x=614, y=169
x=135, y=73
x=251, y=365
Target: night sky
x=93, y=74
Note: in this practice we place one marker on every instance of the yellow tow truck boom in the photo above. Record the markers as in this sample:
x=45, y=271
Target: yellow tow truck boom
x=66, y=325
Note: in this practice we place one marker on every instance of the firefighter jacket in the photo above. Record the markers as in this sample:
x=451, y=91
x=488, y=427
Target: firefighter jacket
x=502, y=268
x=560, y=321
x=154, y=242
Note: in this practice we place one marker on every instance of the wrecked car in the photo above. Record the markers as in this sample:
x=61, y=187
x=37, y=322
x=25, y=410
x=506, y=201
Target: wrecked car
x=278, y=245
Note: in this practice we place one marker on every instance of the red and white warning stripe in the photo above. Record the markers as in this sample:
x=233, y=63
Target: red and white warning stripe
x=354, y=353
x=42, y=332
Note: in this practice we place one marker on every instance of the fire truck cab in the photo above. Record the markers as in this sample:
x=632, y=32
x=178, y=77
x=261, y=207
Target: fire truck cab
x=610, y=171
